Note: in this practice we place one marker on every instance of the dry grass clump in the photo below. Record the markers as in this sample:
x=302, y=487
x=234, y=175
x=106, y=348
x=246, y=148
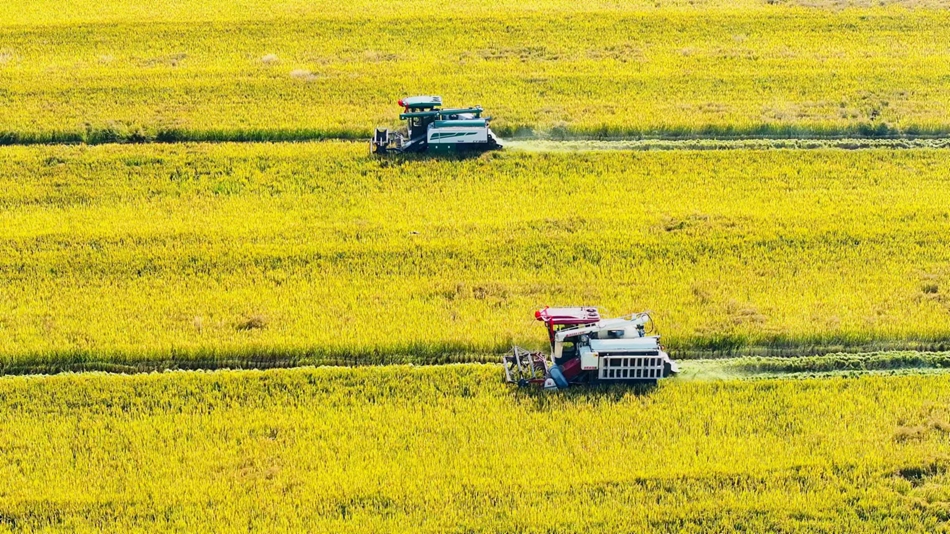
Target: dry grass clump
x=270, y=59
x=303, y=74
x=252, y=322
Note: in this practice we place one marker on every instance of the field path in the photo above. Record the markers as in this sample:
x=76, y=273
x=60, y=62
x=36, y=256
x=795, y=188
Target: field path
x=711, y=143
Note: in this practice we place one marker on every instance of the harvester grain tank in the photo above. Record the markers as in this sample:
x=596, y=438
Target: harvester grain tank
x=586, y=349
x=430, y=128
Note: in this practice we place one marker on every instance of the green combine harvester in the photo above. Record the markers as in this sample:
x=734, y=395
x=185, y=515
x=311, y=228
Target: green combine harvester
x=433, y=129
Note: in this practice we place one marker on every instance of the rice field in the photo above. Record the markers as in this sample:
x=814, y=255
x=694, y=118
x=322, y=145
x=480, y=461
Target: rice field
x=220, y=302
x=151, y=256
x=451, y=449
x=188, y=70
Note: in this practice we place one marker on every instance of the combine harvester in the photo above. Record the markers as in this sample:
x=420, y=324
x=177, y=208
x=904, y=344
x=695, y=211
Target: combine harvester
x=586, y=349
x=433, y=129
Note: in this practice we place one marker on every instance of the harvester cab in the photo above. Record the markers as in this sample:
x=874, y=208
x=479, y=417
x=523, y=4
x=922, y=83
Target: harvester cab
x=586, y=349
x=429, y=128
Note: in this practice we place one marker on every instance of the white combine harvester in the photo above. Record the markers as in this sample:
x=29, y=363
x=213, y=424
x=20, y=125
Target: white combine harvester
x=430, y=128
x=586, y=349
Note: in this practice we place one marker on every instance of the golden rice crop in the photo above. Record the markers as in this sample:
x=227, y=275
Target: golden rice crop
x=100, y=71
x=451, y=449
x=258, y=254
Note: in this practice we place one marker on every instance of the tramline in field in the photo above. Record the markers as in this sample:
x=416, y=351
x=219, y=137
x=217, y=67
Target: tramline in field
x=429, y=128
x=586, y=349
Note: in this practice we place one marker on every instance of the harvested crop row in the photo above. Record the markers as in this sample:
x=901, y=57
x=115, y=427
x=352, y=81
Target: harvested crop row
x=252, y=254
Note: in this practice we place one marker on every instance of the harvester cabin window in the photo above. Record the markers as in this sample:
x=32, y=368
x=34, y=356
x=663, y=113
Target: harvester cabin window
x=568, y=350
x=415, y=126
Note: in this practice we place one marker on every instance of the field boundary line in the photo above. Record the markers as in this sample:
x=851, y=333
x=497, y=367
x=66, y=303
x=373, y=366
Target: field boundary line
x=518, y=139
